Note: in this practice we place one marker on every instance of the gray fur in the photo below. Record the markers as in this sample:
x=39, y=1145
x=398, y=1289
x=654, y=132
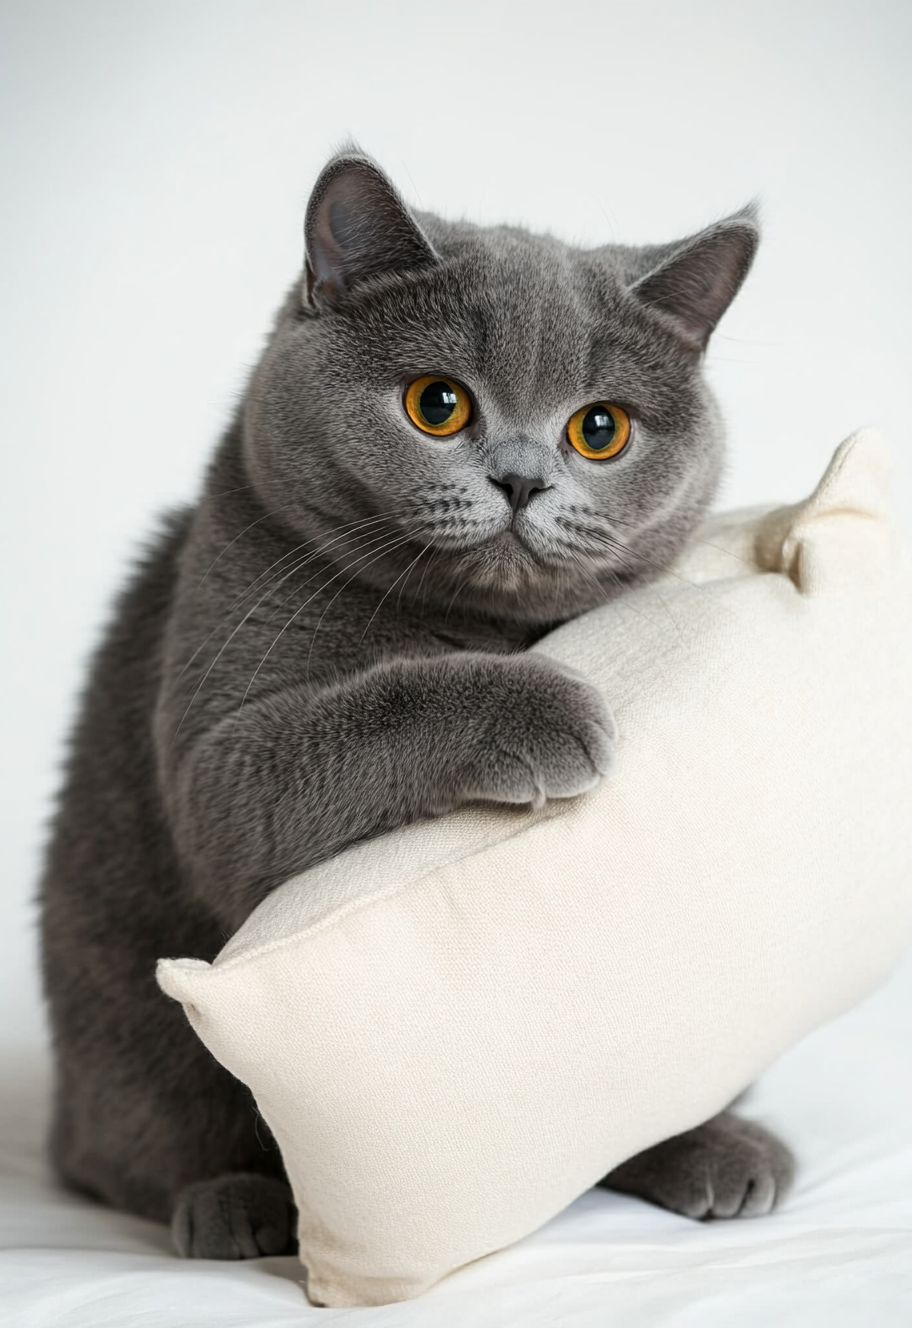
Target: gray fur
x=237, y=1216
x=728, y=1167
x=330, y=643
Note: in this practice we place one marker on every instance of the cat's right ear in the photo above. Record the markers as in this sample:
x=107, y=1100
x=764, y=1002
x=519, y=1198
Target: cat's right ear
x=357, y=227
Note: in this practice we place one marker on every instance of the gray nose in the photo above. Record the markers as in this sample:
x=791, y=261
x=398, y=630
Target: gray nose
x=518, y=489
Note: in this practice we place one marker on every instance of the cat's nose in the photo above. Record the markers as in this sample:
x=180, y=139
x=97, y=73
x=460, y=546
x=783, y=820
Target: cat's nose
x=518, y=489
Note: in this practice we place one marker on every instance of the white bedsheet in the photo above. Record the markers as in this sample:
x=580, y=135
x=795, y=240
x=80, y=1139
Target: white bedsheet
x=838, y=1256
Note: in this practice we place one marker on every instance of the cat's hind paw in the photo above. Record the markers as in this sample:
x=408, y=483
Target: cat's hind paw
x=728, y=1167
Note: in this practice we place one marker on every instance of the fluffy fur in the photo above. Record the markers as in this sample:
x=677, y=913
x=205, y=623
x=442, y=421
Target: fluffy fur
x=330, y=644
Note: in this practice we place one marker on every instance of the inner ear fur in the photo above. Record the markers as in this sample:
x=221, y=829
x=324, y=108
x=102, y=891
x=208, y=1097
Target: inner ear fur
x=357, y=227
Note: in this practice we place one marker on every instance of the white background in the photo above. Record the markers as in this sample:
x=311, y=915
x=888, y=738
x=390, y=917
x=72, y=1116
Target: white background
x=157, y=157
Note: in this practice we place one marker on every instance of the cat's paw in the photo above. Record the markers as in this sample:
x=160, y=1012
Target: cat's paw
x=546, y=733
x=728, y=1167
x=238, y=1216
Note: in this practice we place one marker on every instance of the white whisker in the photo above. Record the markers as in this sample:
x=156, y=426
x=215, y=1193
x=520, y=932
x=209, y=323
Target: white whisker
x=388, y=590
x=264, y=517
x=396, y=544
x=403, y=539
x=352, y=528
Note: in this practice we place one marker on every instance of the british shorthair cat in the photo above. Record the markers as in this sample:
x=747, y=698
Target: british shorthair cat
x=457, y=437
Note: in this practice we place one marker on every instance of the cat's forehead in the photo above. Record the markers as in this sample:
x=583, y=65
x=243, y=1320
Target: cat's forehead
x=529, y=320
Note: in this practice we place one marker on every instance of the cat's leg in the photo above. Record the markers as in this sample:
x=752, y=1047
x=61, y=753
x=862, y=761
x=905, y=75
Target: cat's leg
x=180, y=1144
x=237, y=1216
x=299, y=776
x=728, y=1167
x=145, y=1119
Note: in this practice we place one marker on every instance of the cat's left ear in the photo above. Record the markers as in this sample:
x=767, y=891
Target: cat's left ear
x=695, y=281
x=357, y=227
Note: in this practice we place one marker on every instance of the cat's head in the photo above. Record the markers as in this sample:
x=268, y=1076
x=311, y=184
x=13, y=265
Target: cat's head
x=523, y=422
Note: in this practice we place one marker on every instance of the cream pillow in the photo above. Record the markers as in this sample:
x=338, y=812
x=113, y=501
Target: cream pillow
x=455, y=1030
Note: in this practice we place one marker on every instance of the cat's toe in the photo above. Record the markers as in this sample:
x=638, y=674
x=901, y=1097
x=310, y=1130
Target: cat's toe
x=727, y=1168
x=748, y=1170
x=238, y=1216
x=742, y=1185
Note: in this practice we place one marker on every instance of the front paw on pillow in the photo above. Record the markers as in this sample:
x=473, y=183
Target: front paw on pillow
x=548, y=733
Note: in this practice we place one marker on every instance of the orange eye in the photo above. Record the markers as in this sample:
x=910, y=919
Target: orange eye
x=438, y=405
x=600, y=431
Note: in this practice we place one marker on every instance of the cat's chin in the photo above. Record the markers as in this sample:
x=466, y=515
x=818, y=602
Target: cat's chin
x=506, y=577
x=504, y=571
x=514, y=552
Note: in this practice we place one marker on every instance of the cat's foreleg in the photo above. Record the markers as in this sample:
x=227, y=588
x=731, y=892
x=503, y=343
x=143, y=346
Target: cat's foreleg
x=299, y=775
x=727, y=1167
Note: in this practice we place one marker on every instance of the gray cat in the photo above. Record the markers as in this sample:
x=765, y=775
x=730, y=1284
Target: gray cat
x=456, y=438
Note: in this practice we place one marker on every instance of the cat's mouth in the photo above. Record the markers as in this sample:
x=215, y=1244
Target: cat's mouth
x=512, y=544
x=509, y=538
x=515, y=547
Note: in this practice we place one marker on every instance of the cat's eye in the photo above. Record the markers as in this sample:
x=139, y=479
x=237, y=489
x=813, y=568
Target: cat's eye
x=600, y=431
x=438, y=405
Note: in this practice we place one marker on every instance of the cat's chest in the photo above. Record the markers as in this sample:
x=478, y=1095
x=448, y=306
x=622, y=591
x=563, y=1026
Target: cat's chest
x=368, y=625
